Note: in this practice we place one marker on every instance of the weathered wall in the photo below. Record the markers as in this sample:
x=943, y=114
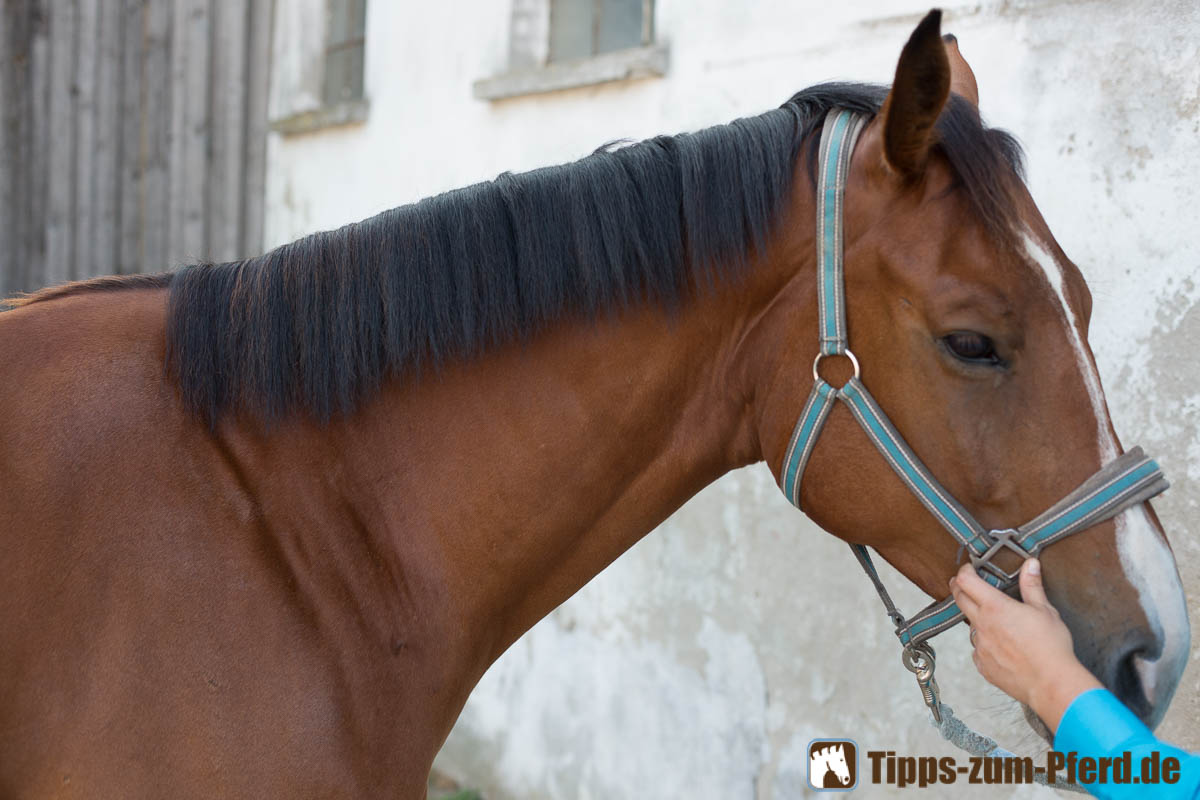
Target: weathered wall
x=702, y=662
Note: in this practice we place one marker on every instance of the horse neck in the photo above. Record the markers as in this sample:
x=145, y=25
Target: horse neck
x=551, y=460
x=506, y=483
x=453, y=512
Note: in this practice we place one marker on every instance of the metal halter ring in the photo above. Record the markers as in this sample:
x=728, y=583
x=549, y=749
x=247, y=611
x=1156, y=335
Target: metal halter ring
x=918, y=659
x=847, y=353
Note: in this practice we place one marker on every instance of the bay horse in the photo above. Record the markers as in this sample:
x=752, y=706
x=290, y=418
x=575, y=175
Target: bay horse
x=266, y=523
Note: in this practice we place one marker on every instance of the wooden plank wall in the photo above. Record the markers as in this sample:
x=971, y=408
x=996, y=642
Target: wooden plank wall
x=132, y=135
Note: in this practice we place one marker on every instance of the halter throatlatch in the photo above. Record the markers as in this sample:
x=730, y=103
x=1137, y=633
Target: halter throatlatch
x=1130, y=479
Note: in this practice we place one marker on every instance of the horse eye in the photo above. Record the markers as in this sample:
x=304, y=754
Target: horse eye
x=971, y=346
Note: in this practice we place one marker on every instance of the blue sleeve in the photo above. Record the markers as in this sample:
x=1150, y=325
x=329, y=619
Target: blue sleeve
x=1097, y=725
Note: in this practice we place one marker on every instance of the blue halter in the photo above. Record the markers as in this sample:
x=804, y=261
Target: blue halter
x=1130, y=479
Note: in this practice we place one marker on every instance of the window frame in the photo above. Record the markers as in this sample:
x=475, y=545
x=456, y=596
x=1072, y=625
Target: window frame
x=301, y=101
x=532, y=71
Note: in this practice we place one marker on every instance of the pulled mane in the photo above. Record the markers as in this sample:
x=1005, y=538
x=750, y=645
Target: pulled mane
x=318, y=324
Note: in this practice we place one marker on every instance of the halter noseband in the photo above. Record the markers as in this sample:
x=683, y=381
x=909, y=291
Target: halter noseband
x=1130, y=479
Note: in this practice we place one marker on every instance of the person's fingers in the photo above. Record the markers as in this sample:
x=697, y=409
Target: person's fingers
x=971, y=583
x=965, y=603
x=1032, y=591
x=974, y=586
x=979, y=590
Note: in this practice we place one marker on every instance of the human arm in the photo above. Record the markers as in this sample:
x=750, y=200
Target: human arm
x=1098, y=726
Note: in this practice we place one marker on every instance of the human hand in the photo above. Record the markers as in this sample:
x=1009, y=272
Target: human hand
x=1022, y=648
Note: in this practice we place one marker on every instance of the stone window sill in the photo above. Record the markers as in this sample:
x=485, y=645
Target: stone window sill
x=621, y=65
x=349, y=112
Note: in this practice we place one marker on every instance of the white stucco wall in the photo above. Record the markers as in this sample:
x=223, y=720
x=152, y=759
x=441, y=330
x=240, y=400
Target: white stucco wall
x=703, y=661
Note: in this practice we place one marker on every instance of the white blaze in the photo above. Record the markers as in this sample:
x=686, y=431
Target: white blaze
x=1054, y=276
x=1150, y=567
x=1144, y=555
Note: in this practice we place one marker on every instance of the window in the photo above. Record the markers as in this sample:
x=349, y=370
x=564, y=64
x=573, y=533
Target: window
x=560, y=44
x=317, y=81
x=344, y=51
x=584, y=28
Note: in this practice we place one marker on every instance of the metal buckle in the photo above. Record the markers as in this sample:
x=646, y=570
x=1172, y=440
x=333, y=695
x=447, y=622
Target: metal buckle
x=847, y=353
x=920, y=660
x=1000, y=540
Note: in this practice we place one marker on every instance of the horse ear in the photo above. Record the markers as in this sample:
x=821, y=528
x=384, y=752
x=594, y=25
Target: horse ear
x=918, y=94
x=962, y=79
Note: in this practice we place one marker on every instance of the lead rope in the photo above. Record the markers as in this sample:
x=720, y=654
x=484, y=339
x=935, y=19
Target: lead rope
x=1132, y=478
x=959, y=734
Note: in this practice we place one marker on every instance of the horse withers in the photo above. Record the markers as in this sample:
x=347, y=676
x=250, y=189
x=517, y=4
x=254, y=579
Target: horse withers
x=267, y=523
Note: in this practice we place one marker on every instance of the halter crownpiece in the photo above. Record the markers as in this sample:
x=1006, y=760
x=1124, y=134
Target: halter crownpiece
x=1130, y=479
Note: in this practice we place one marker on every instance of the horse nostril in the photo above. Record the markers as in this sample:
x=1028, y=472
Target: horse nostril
x=1126, y=683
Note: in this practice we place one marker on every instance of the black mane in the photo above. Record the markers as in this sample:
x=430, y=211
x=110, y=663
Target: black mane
x=318, y=324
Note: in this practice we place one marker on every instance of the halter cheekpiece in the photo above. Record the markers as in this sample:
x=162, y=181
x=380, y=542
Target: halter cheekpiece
x=1130, y=479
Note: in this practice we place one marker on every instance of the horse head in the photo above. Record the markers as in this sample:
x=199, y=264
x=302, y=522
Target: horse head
x=829, y=758
x=971, y=327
